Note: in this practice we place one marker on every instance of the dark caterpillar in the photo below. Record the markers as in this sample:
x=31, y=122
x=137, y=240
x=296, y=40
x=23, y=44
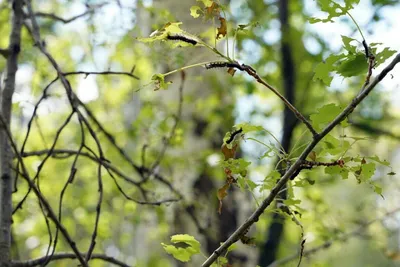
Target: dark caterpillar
x=233, y=134
x=179, y=37
x=222, y=64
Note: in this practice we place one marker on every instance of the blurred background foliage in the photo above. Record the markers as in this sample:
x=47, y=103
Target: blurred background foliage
x=140, y=119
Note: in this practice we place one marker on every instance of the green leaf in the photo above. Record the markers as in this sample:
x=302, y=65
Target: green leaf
x=194, y=11
x=323, y=69
x=383, y=162
x=337, y=170
x=247, y=128
x=237, y=166
x=383, y=55
x=231, y=247
x=378, y=189
x=367, y=170
x=270, y=181
x=291, y=202
x=252, y=185
x=162, y=34
x=346, y=43
x=352, y=66
x=325, y=115
x=179, y=253
x=333, y=9
x=159, y=81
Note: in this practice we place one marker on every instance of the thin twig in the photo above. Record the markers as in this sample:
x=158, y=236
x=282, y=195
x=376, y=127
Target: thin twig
x=50, y=213
x=52, y=16
x=167, y=140
x=252, y=72
x=63, y=153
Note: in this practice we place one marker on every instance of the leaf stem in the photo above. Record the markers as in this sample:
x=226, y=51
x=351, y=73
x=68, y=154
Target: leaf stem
x=358, y=27
x=186, y=67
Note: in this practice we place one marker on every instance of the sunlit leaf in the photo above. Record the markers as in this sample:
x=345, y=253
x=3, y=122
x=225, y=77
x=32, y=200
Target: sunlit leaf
x=367, y=170
x=333, y=9
x=346, y=43
x=383, y=55
x=194, y=11
x=377, y=159
x=159, y=81
x=337, y=170
x=325, y=115
x=179, y=253
x=323, y=69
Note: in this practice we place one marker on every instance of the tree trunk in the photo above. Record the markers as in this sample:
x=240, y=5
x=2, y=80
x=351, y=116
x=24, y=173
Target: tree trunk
x=6, y=155
x=269, y=249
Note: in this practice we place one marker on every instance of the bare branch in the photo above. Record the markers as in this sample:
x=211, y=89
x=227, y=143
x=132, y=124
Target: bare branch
x=62, y=256
x=167, y=140
x=50, y=213
x=252, y=72
x=289, y=173
x=87, y=73
x=62, y=153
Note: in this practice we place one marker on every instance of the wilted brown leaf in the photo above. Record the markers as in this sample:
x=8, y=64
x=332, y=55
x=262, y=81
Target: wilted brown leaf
x=222, y=30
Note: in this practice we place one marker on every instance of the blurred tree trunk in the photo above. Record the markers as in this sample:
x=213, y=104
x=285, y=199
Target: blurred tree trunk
x=269, y=249
x=199, y=211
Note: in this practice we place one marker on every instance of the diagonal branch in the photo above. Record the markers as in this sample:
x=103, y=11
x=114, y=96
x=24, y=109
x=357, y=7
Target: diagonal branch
x=293, y=170
x=300, y=116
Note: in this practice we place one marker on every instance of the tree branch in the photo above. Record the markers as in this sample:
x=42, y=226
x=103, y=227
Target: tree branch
x=63, y=256
x=50, y=213
x=295, y=167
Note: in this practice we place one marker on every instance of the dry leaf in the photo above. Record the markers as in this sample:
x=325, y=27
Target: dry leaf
x=222, y=30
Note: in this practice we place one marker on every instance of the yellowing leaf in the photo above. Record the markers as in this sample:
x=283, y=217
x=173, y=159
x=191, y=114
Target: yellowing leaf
x=179, y=253
x=194, y=11
x=222, y=193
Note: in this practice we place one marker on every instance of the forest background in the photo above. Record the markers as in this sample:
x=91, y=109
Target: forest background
x=104, y=157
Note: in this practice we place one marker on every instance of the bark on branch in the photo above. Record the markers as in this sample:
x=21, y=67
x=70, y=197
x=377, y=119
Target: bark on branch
x=295, y=167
